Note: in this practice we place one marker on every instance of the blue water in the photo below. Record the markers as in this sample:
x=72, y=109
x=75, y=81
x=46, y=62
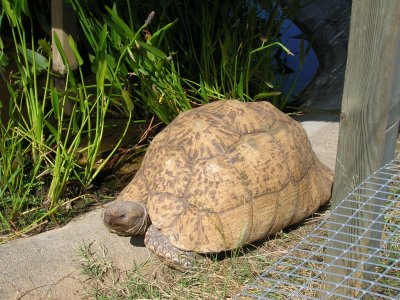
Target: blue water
x=290, y=38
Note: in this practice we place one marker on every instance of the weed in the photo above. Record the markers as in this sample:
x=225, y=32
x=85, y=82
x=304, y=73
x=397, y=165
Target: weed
x=216, y=277
x=41, y=142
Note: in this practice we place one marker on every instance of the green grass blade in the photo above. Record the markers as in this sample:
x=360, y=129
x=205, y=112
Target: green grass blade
x=120, y=23
x=74, y=49
x=128, y=100
x=153, y=50
x=266, y=95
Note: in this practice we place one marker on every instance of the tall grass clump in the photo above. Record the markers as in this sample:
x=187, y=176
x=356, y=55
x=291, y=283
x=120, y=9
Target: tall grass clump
x=229, y=46
x=41, y=142
x=192, y=53
x=142, y=68
x=23, y=142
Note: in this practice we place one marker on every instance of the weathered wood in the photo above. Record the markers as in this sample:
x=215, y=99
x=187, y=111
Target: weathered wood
x=367, y=129
x=63, y=22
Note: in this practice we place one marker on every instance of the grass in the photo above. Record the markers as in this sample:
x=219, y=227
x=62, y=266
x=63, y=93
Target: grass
x=218, y=277
x=42, y=142
x=215, y=280
x=391, y=252
x=187, y=54
x=387, y=284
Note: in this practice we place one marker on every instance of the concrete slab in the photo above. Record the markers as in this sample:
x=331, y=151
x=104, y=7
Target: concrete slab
x=323, y=133
x=46, y=266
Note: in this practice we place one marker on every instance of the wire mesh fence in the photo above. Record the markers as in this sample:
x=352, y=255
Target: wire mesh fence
x=354, y=253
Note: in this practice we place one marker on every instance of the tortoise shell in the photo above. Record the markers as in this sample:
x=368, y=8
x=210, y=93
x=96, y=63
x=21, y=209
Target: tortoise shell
x=229, y=173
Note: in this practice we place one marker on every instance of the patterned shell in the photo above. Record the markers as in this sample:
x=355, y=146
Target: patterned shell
x=229, y=173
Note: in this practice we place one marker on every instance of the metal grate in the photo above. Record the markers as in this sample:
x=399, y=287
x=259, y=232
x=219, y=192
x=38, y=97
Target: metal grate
x=354, y=253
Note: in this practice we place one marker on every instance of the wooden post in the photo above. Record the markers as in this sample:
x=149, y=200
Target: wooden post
x=368, y=127
x=63, y=22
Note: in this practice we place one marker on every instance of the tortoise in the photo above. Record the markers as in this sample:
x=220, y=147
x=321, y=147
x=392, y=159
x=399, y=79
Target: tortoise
x=219, y=176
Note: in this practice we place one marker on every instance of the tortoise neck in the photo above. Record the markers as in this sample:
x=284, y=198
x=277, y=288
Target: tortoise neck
x=146, y=222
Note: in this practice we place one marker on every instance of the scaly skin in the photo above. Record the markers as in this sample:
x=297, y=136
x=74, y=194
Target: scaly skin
x=160, y=245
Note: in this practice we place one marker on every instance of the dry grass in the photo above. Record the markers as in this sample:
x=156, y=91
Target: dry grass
x=391, y=251
x=219, y=277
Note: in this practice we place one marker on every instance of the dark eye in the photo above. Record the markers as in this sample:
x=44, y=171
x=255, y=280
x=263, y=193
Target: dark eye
x=122, y=216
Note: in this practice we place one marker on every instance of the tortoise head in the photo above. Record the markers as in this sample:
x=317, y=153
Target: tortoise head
x=126, y=218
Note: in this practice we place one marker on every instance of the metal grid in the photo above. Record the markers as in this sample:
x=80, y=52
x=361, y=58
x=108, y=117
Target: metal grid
x=325, y=265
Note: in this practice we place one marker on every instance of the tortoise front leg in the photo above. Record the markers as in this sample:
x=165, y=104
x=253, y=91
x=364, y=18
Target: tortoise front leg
x=160, y=245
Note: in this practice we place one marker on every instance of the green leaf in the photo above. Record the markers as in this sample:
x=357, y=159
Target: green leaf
x=45, y=46
x=240, y=85
x=266, y=95
x=119, y=22
x=143, y=71
x=60, y=49
x=53, y=131
x=116, y=39
x=71, y=80
x=10, y=13
x=101, y=73
x=128, y=100
x=74, y=119
x=24, y=6
x=269, y=84
x=151, y=56
x=1, y=20
x=83, y=105
x=132, y=57
x=157, y=52
x=102, y=39
x=110, y=61
x=38, y=60
x=123, y=71
x=160, y=32
x=55, y=101
x=91, y=57
x=74, y=49
x=3, y=59
x=224, y=54
x=203, y=91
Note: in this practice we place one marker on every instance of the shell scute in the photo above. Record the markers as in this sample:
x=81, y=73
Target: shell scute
x=260, y=162
x=216, y=186
x=167, y=171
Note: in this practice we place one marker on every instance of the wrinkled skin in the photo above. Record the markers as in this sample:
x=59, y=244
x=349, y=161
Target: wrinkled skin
x=126, y=218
